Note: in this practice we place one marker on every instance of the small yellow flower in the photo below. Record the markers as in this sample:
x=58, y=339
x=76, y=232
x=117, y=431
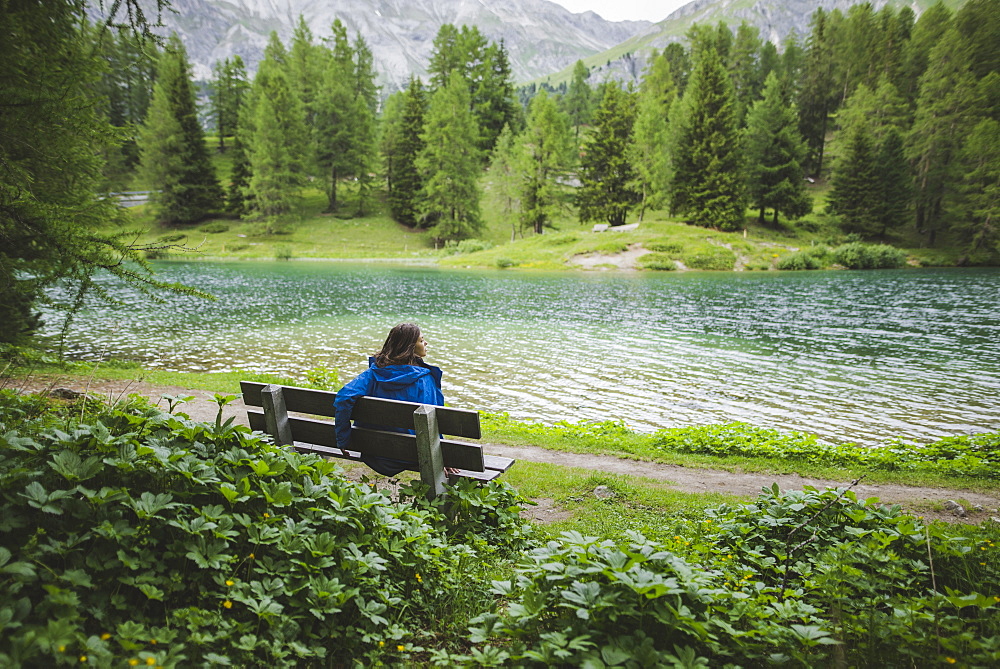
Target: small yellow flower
x=982, y=548
x=152, y=641
x=381, y=644
x=105, y=636
x=400, y=648
x=150, y=661
x=267, y=515
x=134, y=662
x=228, y=604
x=996, y=599
x=62, y=649
x=419, y=579
x=230, y=582
x=83, y=658
x=983, y=564
x=950, y=660
x=251, y=556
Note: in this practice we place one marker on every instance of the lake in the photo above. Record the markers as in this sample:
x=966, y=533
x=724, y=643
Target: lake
x=849, y=356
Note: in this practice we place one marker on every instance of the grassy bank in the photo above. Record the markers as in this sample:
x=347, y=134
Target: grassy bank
x=358, y=232
x=966, y=463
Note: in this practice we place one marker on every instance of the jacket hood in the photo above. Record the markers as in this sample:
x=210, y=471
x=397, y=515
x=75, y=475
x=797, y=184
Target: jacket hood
x=396, y=377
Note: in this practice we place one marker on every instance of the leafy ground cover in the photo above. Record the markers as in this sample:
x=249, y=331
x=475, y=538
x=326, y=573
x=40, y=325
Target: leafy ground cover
x=135, y=536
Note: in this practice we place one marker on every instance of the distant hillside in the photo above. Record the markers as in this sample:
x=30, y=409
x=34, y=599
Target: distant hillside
x=541, y=37
x=776, y=19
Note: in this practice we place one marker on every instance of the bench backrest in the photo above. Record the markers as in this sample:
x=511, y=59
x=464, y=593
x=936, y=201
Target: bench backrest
x=373, y=411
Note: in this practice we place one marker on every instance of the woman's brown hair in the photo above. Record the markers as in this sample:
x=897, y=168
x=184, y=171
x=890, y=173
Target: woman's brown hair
x=398, y=346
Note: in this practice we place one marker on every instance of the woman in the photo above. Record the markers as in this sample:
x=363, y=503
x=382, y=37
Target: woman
x=397, y=372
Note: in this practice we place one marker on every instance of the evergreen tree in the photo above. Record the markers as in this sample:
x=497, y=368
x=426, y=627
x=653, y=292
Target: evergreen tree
x=493, y=95
x=978, y=21
x=744, y=69
x=275, y=135
x=449, y=164
x=578, y=98
x=856, y=194
x=174, y=158
x=817, y=93
x=648, y=151
x=390, y=134
x=976, y=204
x=607, y=192
x=236, y=197
x=707, y=172
x=404, y=198
x=338, y=114
x=945, y=110
x=306, y=65
x=54, y=131
x=547, y=148
x=228, y=90
x=895, y=185
x=505, y=177
x=927, y=31
x=774, y=154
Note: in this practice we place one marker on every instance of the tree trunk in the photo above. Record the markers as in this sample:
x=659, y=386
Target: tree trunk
x=332, y=198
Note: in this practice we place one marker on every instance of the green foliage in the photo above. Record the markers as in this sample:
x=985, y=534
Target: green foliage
x=799, y=577
x=709, y=257
x=664, y=245
x=856, y=255
x=401, y=151
x=141, y=535
x=799, y=260
x=174, y=158
x=546, y=151
x=214, y=228
x=658, y=261
x=467, y=246
x=607, y=191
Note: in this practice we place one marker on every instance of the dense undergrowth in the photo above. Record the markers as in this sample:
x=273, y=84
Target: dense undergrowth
x=967, y=456
x=131, y=536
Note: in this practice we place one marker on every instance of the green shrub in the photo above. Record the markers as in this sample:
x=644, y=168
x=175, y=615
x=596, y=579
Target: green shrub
x=504, y=262
x=282, y=252
x=803, y=578
x=467, y=246
x=657, y=261
x=214, y=227
x=710, y=258
x=798, y=261
x=664, y=245
x=143, y=537
x=855, y=255
x=560, y=239
x=171, y=238
x=322, y=377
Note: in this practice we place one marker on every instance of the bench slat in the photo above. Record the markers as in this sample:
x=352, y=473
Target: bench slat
x=397, y=445
x=376, y=411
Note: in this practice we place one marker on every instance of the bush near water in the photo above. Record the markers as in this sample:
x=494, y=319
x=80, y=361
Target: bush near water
x=134, y=536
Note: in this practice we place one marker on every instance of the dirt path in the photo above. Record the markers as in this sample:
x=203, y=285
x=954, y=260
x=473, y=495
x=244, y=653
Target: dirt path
x=922, y=500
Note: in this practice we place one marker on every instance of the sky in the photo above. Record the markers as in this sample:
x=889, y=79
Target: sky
x=624, y=10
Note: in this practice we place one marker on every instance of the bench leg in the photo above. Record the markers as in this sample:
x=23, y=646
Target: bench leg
x=429, y=457
x=275, y=415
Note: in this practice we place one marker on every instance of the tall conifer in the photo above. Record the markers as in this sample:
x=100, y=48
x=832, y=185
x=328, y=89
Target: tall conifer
x=707, y=179
x=608, y=179
x=404, y=198
x=174, y=157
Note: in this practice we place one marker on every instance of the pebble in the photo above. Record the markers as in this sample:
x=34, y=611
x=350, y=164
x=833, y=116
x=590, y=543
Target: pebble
x=603, y=492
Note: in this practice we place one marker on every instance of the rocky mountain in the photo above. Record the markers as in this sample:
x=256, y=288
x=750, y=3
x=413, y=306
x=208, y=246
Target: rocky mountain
x=541, y=37
x=776, y=20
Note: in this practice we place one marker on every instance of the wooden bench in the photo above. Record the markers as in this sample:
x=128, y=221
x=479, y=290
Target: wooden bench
x=428, y=452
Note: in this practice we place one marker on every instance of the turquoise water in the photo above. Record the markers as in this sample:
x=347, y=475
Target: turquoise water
x=850, y=356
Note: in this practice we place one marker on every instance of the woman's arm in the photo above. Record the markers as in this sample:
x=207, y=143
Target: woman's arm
x=343, y=405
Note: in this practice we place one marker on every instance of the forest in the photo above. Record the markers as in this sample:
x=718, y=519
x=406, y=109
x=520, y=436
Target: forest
x=895, y=115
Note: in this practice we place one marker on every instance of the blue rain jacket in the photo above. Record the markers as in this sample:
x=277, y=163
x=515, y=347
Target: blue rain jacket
x=409, y=383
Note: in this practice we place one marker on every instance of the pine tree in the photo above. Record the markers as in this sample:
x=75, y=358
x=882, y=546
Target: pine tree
x=648, y=151
x=707, y=177
x=856, y=194
x=578, y=98
x=54, y=131
x=607, y=192
x=236, y=196
x=818, y=92
x=895, y=184
x=774, y=154
x=547, y=148
x=945, y=110
x=744, y=69
x=229, y=87
x=493, y=96
x=505, y=177
x=274, y=131
x=404, y=198
x=976, y=204
x=449, y=164
x=174, y=158
x=336, y=127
